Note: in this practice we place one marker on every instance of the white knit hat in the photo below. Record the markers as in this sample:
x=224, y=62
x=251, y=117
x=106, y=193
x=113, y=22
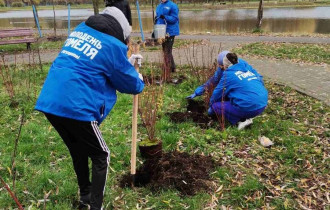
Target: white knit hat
x=120, y=17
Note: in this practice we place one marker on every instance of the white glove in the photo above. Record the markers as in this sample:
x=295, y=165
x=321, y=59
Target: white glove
x=134, y=57
x=140, y=76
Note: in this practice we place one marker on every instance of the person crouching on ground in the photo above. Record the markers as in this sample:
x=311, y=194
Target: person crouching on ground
x=80, y=91
x=167, y=12
x=239, y=91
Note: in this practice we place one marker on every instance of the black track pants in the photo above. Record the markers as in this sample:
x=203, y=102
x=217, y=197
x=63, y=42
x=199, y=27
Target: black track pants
x=167, y=50
x=84, y=140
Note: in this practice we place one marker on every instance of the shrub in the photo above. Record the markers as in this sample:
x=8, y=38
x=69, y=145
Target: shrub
x=257, y=30
x=17, y=4
x=36, y=2
x=2, y=3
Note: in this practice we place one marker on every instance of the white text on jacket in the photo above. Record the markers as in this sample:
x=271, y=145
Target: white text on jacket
x=85, y=43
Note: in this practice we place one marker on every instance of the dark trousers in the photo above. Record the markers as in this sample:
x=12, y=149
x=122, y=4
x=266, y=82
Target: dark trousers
x=84, y=140
x=167, y=50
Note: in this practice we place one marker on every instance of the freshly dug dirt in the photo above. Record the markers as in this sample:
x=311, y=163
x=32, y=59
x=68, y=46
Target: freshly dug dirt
x=189, y=174
x=200, y=119
x=196, y=106
x=196, y=112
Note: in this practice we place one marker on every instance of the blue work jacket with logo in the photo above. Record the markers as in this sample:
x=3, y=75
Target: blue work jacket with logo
x=83, y=79
x=243, y=86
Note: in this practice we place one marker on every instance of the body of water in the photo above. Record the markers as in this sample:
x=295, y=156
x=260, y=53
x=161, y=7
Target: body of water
x=307, y=20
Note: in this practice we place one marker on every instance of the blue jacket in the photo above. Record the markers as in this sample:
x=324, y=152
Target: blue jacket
x=171, y=13
x=83, y=79
x=244, y=87
x=213, y=81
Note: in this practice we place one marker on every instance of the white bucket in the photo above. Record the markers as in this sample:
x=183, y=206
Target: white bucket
x=159, y=31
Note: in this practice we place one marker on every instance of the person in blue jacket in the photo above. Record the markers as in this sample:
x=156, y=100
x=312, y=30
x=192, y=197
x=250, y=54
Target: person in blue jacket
x=239, y=91
x=167, y=12
x=80, y=91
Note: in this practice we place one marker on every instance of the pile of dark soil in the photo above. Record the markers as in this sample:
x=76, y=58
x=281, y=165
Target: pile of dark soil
x=56, y=38
x=196, y=106
x=196, y=112
x=189, y=174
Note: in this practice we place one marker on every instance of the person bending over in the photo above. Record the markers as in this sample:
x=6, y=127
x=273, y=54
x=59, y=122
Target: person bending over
x=239, y=91
x=80, y=91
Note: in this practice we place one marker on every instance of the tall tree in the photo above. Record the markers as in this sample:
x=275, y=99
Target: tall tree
x=153, y=13
x=260, y=14
x=54, y=18
x=96, y=6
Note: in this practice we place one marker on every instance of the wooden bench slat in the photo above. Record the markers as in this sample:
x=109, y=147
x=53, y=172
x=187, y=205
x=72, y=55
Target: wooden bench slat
x=26, y=36
x=16, y=29
x=18, y=41
x=16, y=34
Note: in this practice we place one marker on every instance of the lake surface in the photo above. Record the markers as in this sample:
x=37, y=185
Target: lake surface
x=307, y=20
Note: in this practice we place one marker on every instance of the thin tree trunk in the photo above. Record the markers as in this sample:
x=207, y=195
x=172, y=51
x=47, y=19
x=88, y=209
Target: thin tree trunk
x=13, y=159
x=96, y=7
x=153, y=13
x=54, y=19
x=260, y=15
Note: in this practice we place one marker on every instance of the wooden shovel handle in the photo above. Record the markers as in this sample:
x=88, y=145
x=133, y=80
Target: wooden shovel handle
x=134, y=122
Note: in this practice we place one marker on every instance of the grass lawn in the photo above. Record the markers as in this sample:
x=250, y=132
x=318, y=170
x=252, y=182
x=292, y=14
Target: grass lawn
x=293, y=174
x=311, y=53
x=43, y=45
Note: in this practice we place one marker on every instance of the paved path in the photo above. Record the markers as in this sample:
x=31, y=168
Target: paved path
x=310, y=79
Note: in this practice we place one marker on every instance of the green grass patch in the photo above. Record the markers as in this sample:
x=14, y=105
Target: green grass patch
x=312, y=53
x=248, y=176
x=42, y=45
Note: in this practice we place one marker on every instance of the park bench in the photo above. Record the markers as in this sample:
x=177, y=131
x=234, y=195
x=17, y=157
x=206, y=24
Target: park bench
x=17, y=36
